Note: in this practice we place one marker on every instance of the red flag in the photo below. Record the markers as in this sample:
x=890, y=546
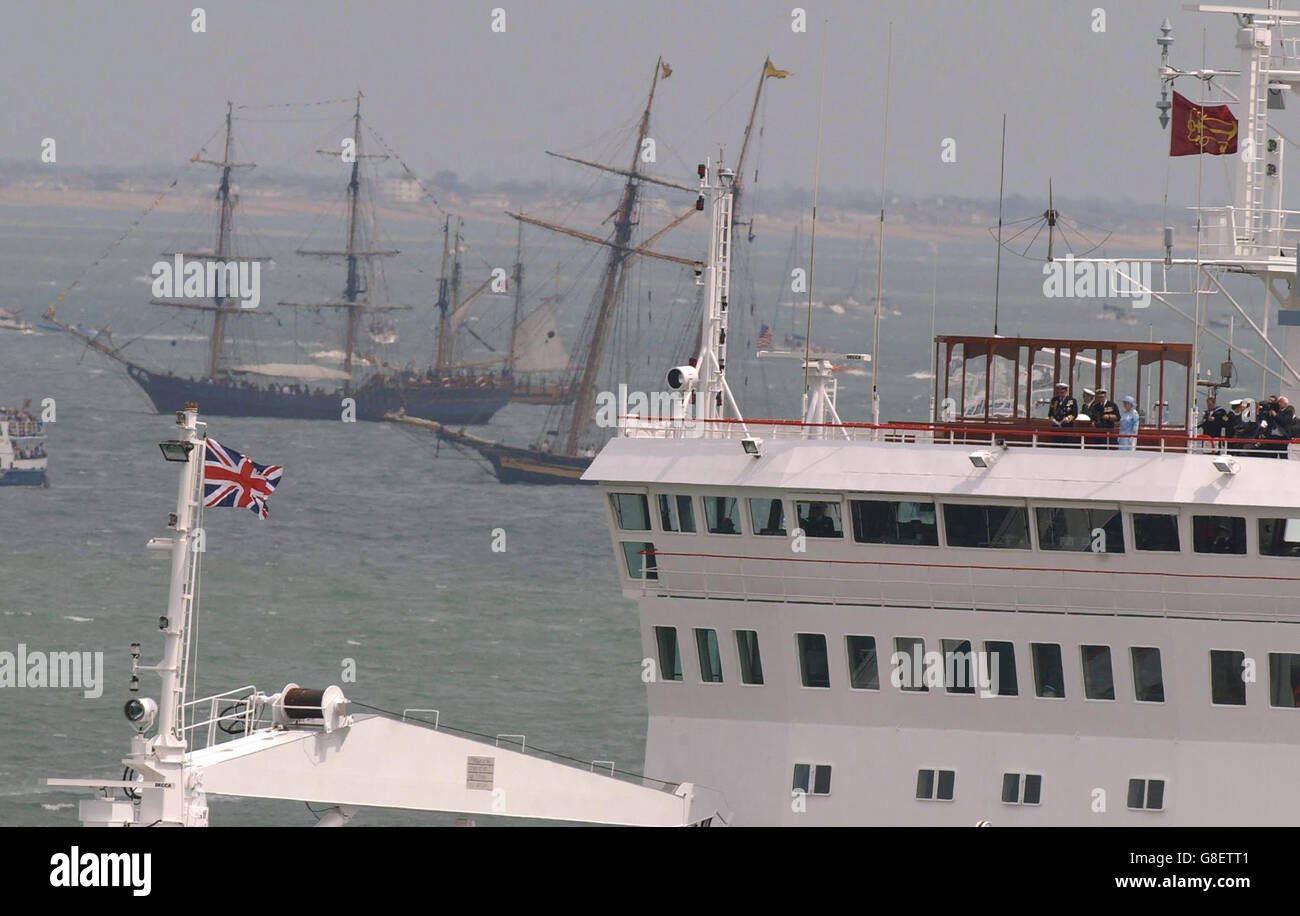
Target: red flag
x=1202, y=129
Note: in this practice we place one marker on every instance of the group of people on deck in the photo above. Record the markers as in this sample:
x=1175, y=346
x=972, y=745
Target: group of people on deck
x=1118, y=423
x=1265, y=432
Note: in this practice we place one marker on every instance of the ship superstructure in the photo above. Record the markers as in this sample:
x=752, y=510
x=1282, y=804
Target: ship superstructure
x=988, y=617
x=22, y=448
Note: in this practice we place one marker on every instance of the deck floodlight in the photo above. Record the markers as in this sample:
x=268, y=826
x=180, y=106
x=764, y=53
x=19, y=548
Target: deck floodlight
x=140, y=712
x=983, y=459
x=752, y=446
x=681, y=377
x=1226, y=464
x=176, y=450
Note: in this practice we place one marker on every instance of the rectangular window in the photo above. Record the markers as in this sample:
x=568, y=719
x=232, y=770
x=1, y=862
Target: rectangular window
x=1020, y=789
x=909, y=657
x=821, y=779
x=751, y=664
x=958, y=672
x=1218, y=534
x=886, y=522
x=1001, y=659
x=1146, y=794
x=1227, y=677
x=1005, y=527
x=1148, y=679
x=767, y=516
x=1098, y=680
x=722, y=514
x=706, y=642
x=1049, y=673
x=819, y=519
x=813, y=666
x=863, y=671
x=815, y=780
x=1279, y=537
x=640, y=556
x=1081, y=530
x=632, y=511
x=670, y=658
x=1284, y=679
x=802, y=777
x=676, y=513
x=934, y=785
x=1155, y=532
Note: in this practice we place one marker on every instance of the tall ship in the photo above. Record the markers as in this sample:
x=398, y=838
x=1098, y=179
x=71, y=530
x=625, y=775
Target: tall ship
x=307, y=390
x=22, y=448
x=572, y=434
x=985, y=619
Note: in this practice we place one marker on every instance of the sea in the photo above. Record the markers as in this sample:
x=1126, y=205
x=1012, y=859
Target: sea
x=377, y=556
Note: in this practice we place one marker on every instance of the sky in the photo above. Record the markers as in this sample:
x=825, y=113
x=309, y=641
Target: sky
x=129, y=84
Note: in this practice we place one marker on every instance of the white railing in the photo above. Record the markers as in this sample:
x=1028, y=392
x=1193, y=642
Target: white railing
x=1224, y=239
x=230, y=706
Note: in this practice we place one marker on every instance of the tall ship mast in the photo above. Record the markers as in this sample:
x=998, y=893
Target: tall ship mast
x=996, y=615
x=304, y=390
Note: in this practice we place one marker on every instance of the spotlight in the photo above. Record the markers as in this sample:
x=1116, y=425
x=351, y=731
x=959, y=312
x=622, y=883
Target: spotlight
x=752, y=446
x=176, y=450
x=681, y=377
x=983, y=460
x=1225, y=464
x=140, y=712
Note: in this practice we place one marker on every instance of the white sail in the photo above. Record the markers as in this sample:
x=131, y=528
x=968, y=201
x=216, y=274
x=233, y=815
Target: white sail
x=293, y=370
x=538, y=347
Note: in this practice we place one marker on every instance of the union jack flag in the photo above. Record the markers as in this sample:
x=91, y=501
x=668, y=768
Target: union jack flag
x=230, y=479
x=764, y=337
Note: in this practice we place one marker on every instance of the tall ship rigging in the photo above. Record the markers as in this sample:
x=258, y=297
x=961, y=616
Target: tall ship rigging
x=571, y=435
x=307, y=390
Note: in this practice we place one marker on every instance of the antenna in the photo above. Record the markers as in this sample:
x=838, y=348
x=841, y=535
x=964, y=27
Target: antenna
x=812, y=245
x=880, y=240
x=997, y=271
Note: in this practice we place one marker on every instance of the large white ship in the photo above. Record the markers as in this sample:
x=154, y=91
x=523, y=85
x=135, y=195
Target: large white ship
x=985, y=618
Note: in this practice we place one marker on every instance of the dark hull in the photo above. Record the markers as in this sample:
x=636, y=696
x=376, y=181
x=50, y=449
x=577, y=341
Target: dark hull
x=522, y=465
x=467, y=406
x=23, y=478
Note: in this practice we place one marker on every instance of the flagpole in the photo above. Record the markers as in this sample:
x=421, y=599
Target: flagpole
x=880, y=240
x=1196, y=276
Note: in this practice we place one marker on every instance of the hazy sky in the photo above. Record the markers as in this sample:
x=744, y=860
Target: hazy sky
x=131, y=83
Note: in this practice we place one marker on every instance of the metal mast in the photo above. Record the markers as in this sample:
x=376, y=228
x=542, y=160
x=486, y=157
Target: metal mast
x=443, y=302
x=519, y=296
x=223, y=243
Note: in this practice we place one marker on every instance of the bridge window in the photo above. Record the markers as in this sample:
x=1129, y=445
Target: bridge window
x=814, y=668
x=886, y=522
x=676, y=513
x=632, y=511
x=1001, y=663
x=819, y=519
x=1218, y=534
x=706, y=642
x=864, y=673
x=958, y=672
x=1284, y=679
x=909, y=660
x=1020, y=789
x=751, y=664
x=1148, y=679
x=1155, y=532
x=1148, y=794
x=767, y=516
x=670, y=657
x=640, y=557
x=722, y=514
x=1279, y=537
x=1084, y=530
x=1049, y=673
x=935, y=785
x=1004, y=527
x=1227, y=677
x=1098, y=680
